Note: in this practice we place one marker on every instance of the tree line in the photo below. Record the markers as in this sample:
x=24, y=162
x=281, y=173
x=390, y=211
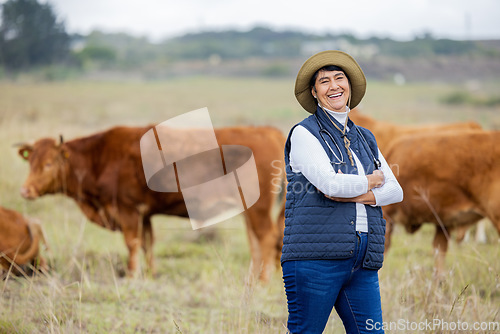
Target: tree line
x=31, y=35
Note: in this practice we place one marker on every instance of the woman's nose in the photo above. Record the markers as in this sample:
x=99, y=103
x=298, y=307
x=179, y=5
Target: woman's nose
x=334, y=85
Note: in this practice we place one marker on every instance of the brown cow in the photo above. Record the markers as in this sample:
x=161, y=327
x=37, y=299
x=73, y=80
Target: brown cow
x=451, y=179
x=103, y=173
x=386, y=132
x=19, y=241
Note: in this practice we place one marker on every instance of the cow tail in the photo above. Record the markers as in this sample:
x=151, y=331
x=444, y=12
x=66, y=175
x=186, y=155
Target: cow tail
x=36, y=233
x=281, y=216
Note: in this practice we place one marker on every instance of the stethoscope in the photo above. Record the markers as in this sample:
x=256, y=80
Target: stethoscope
x=324, y=132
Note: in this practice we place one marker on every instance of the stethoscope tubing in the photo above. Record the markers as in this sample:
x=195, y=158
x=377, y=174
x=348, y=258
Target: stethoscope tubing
x=340, y=160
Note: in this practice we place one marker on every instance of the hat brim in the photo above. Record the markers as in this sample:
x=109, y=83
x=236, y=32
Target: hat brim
x=331, y=57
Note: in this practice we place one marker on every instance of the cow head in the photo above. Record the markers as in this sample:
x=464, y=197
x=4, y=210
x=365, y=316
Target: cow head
x=48, y=166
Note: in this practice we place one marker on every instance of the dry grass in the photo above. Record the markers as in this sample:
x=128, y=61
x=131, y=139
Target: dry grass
x=199, y=287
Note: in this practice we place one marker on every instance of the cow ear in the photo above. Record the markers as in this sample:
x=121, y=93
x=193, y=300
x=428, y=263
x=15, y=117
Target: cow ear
x=25, y=151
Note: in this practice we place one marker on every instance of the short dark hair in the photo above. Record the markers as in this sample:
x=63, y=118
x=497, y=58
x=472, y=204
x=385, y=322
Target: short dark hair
x=325, y=68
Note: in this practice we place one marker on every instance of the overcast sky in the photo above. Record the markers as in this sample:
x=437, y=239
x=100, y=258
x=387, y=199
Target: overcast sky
x=400, y=19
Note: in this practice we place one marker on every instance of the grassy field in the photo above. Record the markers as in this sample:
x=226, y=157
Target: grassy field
x=200, y=285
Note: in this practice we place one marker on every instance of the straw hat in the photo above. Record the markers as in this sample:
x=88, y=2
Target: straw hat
x=332, y=57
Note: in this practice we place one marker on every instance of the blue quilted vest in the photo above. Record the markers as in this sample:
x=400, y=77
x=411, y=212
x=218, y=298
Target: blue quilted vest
x=317, y=227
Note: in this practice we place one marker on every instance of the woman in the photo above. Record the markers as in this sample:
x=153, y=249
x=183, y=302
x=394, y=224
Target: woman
x=333, y=242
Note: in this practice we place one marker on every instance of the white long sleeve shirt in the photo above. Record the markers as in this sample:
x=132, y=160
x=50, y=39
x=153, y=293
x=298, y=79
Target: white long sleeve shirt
x=308, y=157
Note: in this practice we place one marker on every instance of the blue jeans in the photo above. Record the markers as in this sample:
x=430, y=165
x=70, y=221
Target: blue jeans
x=314, y=287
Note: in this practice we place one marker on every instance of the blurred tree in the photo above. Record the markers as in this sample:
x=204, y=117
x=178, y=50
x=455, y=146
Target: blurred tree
x=102, y=54
x=30, y=35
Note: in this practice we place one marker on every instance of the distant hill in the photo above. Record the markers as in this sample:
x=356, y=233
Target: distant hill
x=263, y=51
x=264, y=42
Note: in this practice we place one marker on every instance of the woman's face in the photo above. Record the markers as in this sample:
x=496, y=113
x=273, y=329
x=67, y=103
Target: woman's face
x=332, y=90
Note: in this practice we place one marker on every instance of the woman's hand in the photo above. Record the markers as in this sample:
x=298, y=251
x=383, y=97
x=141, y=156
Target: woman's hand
x=367, y=198
x=376, y=179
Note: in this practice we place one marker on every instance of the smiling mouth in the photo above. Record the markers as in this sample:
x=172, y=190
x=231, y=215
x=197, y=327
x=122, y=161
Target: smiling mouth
x=335, y=96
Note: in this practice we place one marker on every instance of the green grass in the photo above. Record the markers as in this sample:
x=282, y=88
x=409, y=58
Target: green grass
x=200, y=283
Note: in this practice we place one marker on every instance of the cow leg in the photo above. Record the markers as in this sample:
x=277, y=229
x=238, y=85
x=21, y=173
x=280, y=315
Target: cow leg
x=263, y=235
x=391, y=215
x=134, y=245
x=440, y=244
x=147, y=244
x=255, y=256
x=481, y=231
x=94, y=215
x=281, y=233
x=462, y=233
x=389, y=228
x=132, y=232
